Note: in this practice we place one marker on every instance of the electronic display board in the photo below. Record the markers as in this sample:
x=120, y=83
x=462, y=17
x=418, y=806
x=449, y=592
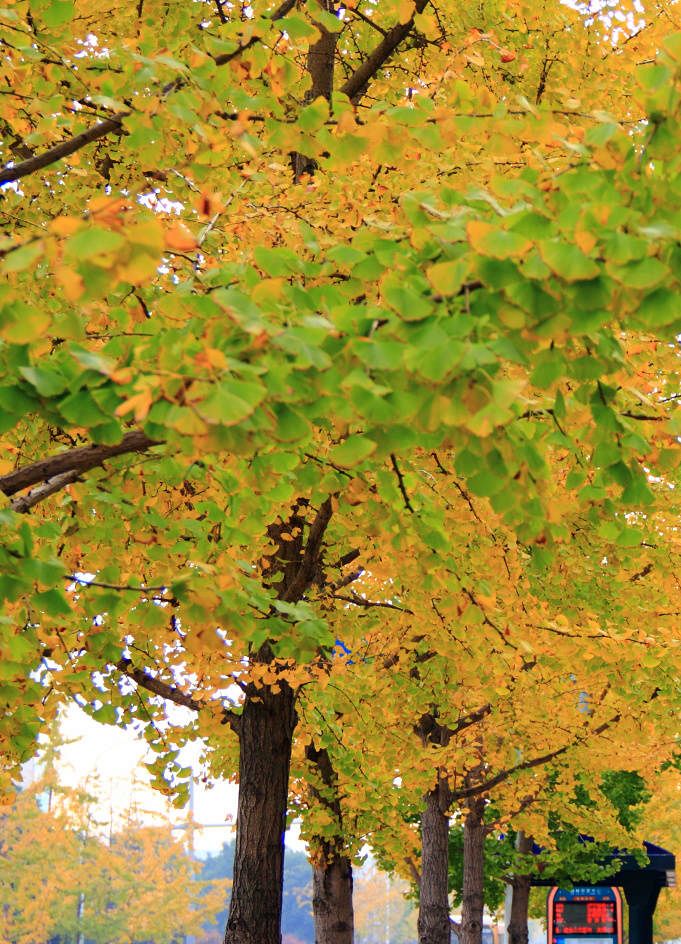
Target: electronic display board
x=584, y=915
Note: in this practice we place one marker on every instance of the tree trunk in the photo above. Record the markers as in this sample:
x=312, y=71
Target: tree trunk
x=434, y=926
x=520, y=900
x=473, y=873
x=320, y=62
x=265, y=739
x=334, y=917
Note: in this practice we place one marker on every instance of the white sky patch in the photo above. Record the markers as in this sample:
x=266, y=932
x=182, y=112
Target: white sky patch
x=109, y=763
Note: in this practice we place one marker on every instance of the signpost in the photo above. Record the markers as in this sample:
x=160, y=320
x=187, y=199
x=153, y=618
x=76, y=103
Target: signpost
x=586, y=914
x=641, y=885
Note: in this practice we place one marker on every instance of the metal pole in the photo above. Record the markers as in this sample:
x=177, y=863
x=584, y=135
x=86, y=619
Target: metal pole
x=189, y=938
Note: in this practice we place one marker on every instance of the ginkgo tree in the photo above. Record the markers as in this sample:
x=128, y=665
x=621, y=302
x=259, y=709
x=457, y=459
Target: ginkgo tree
x=492, y=673
x=63, y=878
x=260, y=261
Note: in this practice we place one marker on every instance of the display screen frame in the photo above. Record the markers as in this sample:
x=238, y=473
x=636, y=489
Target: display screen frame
x=585, y=917
x=605, y=901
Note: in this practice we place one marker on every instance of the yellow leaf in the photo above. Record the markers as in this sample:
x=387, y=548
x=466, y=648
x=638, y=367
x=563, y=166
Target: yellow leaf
x=138, y=269
x=405, y=10
x=138, y=404
x=71, y=282
x=64, y=225
x=148, y=234
x=180, y=238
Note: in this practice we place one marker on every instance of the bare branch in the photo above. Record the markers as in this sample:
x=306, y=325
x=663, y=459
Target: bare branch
x=24, y=504
x=400, y=482
x=358, y=600
x=156, y=686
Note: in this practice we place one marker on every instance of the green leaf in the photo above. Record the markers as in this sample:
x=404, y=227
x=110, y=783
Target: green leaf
x=21, y=323
x=495, y=242
x=53, y=602
x=56, y=12
x=448, y=277
x=645, y=273
x=22, y=258
x=81, y=409
x=291, y=426
x=407, y=302
x=48, y=381
x=94, y=241
x=567, y=261
x=659, y=308
x=232, y=401
x=297, y=27
x=276, y=262
x=313, y=116
x=352, y=451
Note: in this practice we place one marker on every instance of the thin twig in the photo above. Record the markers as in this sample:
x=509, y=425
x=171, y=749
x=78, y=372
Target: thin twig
x=400, y=480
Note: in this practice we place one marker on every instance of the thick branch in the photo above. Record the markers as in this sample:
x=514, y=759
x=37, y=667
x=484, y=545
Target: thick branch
x=24, y=503
x=157, y=687
x=59, y=151
x=78, y=460
x=474, y=717
x=310, y=558
x=355, y=86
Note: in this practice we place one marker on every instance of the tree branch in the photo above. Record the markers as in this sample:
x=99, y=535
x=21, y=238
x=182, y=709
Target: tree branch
x=115, y=123
x=311, y=554
x=355, y=85
x=400, y=482
x=24, y=504
x=226, y=57
x=73, y=461
x=157, y=687
x=473, y=717
x=358, y=600
x=487, y=785
x=59, y=151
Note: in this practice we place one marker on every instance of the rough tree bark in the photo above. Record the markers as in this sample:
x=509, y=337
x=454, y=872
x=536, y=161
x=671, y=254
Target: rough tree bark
x=320, y=63
x=520, y=899
x=473, y=873
x=434, y=925
x=334, y=918
x=265, y=738
x=265, y=730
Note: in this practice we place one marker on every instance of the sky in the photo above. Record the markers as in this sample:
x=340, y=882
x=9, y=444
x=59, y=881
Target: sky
x=110, y=762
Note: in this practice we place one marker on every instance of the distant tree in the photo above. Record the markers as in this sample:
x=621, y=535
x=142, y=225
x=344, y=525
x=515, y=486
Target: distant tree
x=59, y=879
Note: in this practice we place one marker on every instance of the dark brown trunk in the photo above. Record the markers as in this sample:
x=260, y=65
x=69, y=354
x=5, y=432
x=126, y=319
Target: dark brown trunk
x=473, y=873
x=334, y=918
x=520, y=900
x=265, y=739
x=320, y=62
x=434, y=926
